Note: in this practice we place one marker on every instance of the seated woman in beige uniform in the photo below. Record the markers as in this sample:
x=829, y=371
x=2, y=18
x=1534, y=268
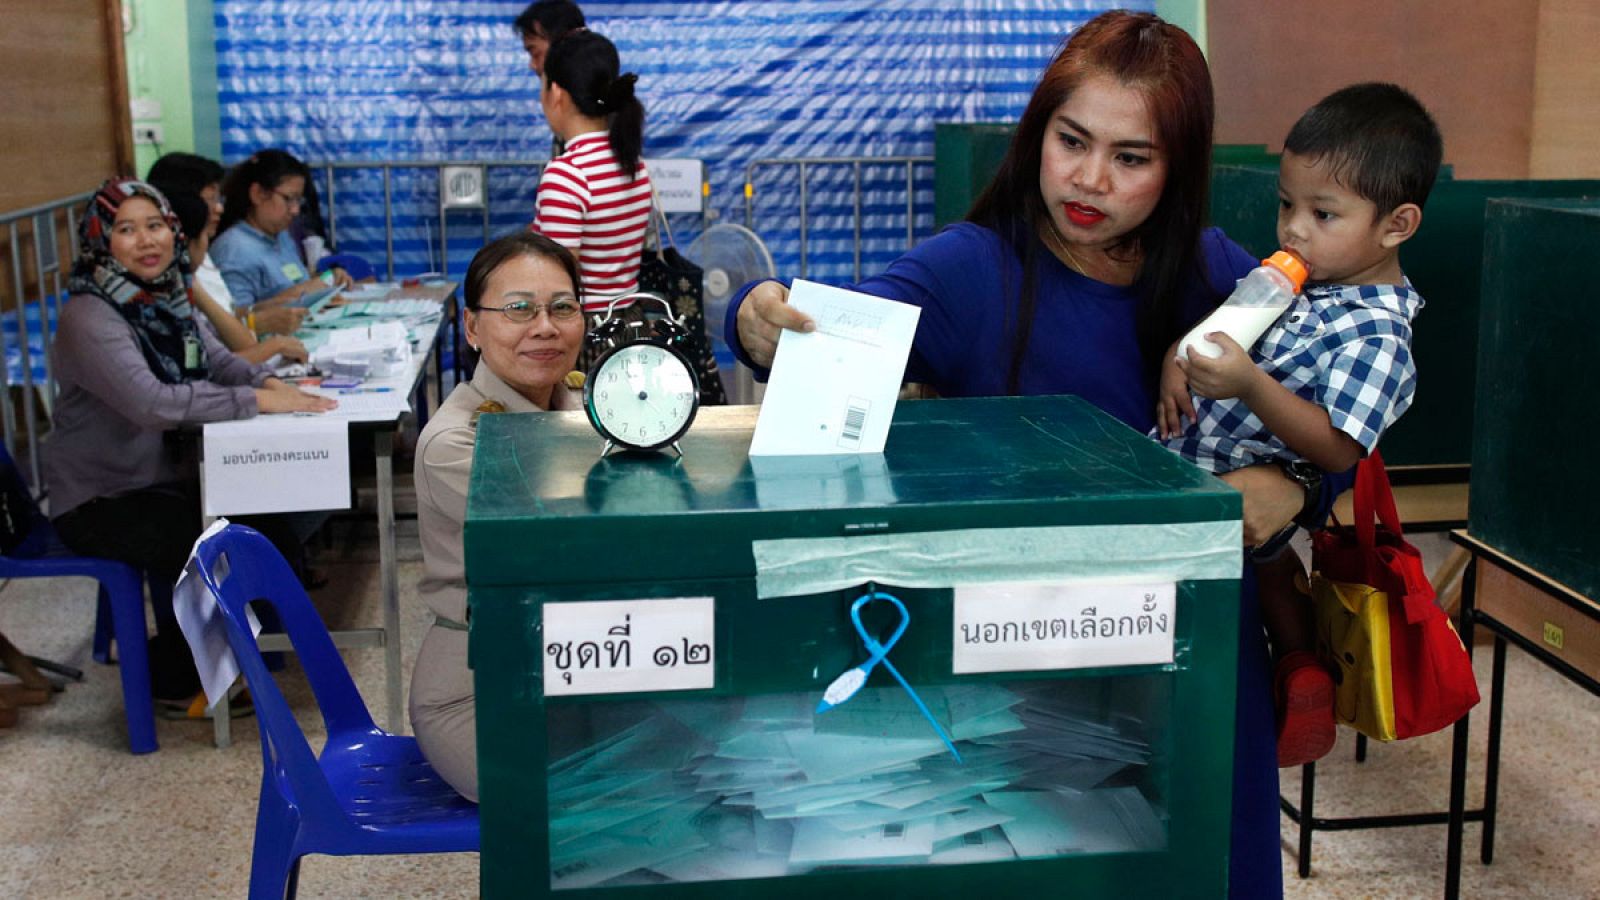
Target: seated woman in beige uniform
x=525, y=318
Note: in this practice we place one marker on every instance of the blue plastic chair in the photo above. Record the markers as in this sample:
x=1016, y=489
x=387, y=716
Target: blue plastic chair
x=371, y=792
x=41, y=554
x=357, y=267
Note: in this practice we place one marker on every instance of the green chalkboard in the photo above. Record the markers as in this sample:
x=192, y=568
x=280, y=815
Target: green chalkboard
x=1445, y=263
x=1534, y=488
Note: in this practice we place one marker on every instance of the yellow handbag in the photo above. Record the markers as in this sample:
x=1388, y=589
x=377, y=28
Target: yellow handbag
x=1400, y=669
x=1353, y=633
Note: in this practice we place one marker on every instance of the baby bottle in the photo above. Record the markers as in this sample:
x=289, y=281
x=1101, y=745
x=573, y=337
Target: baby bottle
x=1258, y=300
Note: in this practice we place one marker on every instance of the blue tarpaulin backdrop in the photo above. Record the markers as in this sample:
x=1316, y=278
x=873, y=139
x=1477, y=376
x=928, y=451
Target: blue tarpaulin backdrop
x=727, y=83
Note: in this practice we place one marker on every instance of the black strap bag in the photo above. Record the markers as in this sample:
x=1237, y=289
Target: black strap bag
x=666, y=272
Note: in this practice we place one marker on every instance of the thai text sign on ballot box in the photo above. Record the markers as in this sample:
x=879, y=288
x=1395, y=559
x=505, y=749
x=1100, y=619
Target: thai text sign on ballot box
x=628, y=646
x=272, y=464
x=1020, y=627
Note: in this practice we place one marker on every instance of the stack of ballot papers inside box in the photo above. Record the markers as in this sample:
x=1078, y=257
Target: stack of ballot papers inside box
x=763, y=786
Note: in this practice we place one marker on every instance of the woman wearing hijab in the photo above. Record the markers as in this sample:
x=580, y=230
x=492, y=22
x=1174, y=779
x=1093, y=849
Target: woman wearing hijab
x=133, y=368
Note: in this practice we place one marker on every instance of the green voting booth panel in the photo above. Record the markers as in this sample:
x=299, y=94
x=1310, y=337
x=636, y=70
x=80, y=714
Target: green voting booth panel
x=1445, y=261
x=651, y=638
x=1534, y=489
x=965, y=156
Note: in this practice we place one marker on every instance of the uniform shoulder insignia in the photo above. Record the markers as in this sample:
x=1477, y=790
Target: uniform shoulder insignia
x=487, y=406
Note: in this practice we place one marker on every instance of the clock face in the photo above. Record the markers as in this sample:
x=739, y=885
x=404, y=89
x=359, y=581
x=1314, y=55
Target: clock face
x=642, y=395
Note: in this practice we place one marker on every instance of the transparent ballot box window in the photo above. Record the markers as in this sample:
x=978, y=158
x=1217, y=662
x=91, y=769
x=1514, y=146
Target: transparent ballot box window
x=717, y=788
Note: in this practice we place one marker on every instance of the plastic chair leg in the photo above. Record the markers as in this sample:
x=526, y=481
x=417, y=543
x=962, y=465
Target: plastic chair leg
x=274, y=866
x=102, y=628
x=127, y=620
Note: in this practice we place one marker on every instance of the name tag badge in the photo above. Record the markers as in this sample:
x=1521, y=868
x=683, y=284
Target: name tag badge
x=293, y=272
x=191, y=352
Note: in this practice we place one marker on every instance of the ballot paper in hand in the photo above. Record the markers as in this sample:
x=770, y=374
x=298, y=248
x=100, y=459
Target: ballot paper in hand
x=833, y=390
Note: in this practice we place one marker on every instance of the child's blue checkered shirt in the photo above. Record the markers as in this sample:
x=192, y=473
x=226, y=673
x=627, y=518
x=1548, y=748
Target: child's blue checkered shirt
x=1346, y=348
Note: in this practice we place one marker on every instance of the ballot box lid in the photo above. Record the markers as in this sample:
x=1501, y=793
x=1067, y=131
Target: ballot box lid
x=545, y=507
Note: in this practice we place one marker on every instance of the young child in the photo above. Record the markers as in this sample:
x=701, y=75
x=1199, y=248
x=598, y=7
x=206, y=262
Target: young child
x=1335, y=371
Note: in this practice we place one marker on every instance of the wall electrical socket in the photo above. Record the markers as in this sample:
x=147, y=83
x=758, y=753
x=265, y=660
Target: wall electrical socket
x=147, y=133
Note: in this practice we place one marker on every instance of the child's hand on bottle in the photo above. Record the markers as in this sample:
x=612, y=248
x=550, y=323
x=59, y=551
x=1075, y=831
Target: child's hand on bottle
x=1233, y=374
x=1173, y=401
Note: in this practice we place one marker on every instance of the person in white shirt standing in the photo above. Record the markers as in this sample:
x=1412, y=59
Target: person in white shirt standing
x=594, y=199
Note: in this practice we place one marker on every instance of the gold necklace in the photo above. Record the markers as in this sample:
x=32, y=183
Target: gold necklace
x=1060, y=243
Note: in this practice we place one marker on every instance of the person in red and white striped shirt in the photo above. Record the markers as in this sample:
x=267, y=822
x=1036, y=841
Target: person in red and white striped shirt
x=595, y=197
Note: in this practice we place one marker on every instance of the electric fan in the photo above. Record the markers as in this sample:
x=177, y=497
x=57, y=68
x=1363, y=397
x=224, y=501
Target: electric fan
x=731, y=256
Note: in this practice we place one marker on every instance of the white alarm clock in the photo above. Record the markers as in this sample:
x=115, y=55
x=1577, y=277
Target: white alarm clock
x=642, y=392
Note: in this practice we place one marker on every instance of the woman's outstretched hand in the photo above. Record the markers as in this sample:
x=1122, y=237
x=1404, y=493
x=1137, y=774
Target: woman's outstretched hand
x=276, y=396
x=763, y=315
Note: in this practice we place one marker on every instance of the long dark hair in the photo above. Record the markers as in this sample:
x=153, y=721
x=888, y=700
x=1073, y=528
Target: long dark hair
x=1162, y=62
x=586, y=66
x=267, y=168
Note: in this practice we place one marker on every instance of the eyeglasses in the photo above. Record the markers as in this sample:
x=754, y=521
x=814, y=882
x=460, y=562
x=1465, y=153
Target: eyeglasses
x=294, y=201
x=560, y=309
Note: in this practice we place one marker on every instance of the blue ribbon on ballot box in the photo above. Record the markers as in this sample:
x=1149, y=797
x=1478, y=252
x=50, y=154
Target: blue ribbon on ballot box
x=850, y=683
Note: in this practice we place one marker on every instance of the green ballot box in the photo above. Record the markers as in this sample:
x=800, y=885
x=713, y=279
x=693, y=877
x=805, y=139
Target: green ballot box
x=665, y=651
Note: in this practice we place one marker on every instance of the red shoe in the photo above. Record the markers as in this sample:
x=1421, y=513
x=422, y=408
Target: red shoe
x=1306, y=730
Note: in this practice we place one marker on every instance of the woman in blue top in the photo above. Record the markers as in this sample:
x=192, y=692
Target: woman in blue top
x=1083, y=260
x=254, y=247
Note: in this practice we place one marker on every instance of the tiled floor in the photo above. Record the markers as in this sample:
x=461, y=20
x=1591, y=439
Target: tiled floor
x=80, y=817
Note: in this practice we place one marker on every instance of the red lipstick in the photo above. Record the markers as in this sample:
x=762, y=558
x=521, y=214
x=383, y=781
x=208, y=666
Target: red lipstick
x=1083, y=215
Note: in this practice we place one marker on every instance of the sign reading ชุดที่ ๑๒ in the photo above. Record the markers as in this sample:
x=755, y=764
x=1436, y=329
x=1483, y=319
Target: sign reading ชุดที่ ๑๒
x=628, y=646
x=1015, y=627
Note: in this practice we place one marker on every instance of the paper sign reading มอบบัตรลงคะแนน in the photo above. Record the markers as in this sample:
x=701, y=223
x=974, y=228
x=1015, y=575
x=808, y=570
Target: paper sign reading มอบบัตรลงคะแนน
x=273, y=464
x=833, y=390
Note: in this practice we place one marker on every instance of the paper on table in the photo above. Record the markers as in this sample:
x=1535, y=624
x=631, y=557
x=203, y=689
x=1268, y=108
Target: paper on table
x=365, y=403
x=834, y=390
x=200, y=620
x=271, y=464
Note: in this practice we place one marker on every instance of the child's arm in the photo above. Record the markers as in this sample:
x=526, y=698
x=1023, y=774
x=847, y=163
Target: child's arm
x=1302, y=425
x=1172, y=399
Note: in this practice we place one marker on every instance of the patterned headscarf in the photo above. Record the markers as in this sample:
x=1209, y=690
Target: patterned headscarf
x=159, y=310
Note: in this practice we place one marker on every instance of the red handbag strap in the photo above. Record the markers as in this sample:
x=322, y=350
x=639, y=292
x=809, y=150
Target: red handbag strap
x=1374, y=497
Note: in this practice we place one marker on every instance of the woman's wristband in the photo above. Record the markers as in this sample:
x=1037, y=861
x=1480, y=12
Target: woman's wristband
x=1309, y=477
